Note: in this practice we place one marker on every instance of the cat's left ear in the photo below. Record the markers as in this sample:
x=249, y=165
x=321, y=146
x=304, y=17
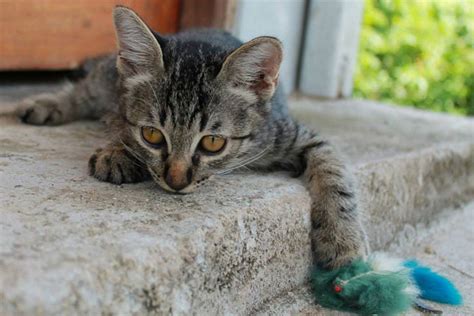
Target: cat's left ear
x=254, y=67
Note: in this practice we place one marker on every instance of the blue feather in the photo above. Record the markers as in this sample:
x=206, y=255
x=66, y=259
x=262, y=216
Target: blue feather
x=433, y=286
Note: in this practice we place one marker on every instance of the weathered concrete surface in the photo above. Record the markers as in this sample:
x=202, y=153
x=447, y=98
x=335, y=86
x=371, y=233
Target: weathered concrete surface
x=410, y=164
x=407, y=151
x=73, y=245
x=445, y=245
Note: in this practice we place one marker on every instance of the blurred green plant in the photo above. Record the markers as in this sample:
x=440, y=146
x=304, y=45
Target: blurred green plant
x=418, y=53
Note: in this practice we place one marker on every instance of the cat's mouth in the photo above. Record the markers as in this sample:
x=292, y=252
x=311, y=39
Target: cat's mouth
x=188, y=189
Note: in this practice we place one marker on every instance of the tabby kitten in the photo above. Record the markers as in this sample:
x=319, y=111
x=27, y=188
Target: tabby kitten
x=188, y=106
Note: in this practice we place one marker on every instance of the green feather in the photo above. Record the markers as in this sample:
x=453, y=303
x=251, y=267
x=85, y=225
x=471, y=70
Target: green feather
x=367, y=292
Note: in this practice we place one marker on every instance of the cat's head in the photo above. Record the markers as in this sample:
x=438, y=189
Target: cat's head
x=193, y=108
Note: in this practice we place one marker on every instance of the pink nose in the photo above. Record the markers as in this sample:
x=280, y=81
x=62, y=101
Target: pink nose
x=178, y=175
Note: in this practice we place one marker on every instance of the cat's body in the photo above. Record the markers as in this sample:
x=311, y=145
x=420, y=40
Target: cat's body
x=185, y=107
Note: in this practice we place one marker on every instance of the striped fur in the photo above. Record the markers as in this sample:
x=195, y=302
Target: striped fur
x=199, y=83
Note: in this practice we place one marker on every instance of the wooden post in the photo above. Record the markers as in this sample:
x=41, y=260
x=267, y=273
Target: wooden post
x=207, y=13
x=330, y=47
x=283, y=19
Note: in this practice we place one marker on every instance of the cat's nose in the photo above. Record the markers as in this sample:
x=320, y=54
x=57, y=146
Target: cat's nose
x=178, y=175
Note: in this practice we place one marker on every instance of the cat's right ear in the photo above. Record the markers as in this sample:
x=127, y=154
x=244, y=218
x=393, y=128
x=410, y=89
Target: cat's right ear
x=138, y=50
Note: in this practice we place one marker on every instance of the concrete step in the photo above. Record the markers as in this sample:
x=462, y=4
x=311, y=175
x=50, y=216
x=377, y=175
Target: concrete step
x=410, y=164
x=445, y=245
x=73, y=245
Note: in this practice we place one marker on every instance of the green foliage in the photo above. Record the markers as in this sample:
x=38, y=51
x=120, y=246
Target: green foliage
x=418, y=53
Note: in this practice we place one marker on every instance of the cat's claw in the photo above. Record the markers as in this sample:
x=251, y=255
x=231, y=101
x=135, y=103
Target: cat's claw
x=116, y=165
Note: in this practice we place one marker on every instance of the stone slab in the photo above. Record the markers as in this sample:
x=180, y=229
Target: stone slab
x=445, y=245
x=73, y=245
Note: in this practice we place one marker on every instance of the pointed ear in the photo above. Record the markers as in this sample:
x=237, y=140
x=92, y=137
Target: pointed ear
x=138, y=49
x=254, y=67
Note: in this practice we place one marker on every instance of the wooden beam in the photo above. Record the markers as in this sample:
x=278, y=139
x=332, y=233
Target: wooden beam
x=57, y=34
x=330, y=48
x=207, y=13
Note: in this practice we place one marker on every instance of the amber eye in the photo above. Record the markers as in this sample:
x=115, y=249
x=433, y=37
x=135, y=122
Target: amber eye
x=152, y=135
x=212, y=143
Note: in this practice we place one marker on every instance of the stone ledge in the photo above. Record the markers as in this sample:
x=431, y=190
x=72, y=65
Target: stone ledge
x=445, y=245
x=72, y=245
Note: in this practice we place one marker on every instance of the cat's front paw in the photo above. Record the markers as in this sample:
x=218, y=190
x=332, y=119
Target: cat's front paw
x=114, y=164
x=41, y=110
x=340, y=260
x=332, y=251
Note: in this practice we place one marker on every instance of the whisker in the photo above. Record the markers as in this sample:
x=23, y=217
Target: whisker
x=249, y=160
x=131, y=152
x=245, y=162
x=154, y=175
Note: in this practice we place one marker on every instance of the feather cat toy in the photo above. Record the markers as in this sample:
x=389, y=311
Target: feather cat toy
x=382, y=285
